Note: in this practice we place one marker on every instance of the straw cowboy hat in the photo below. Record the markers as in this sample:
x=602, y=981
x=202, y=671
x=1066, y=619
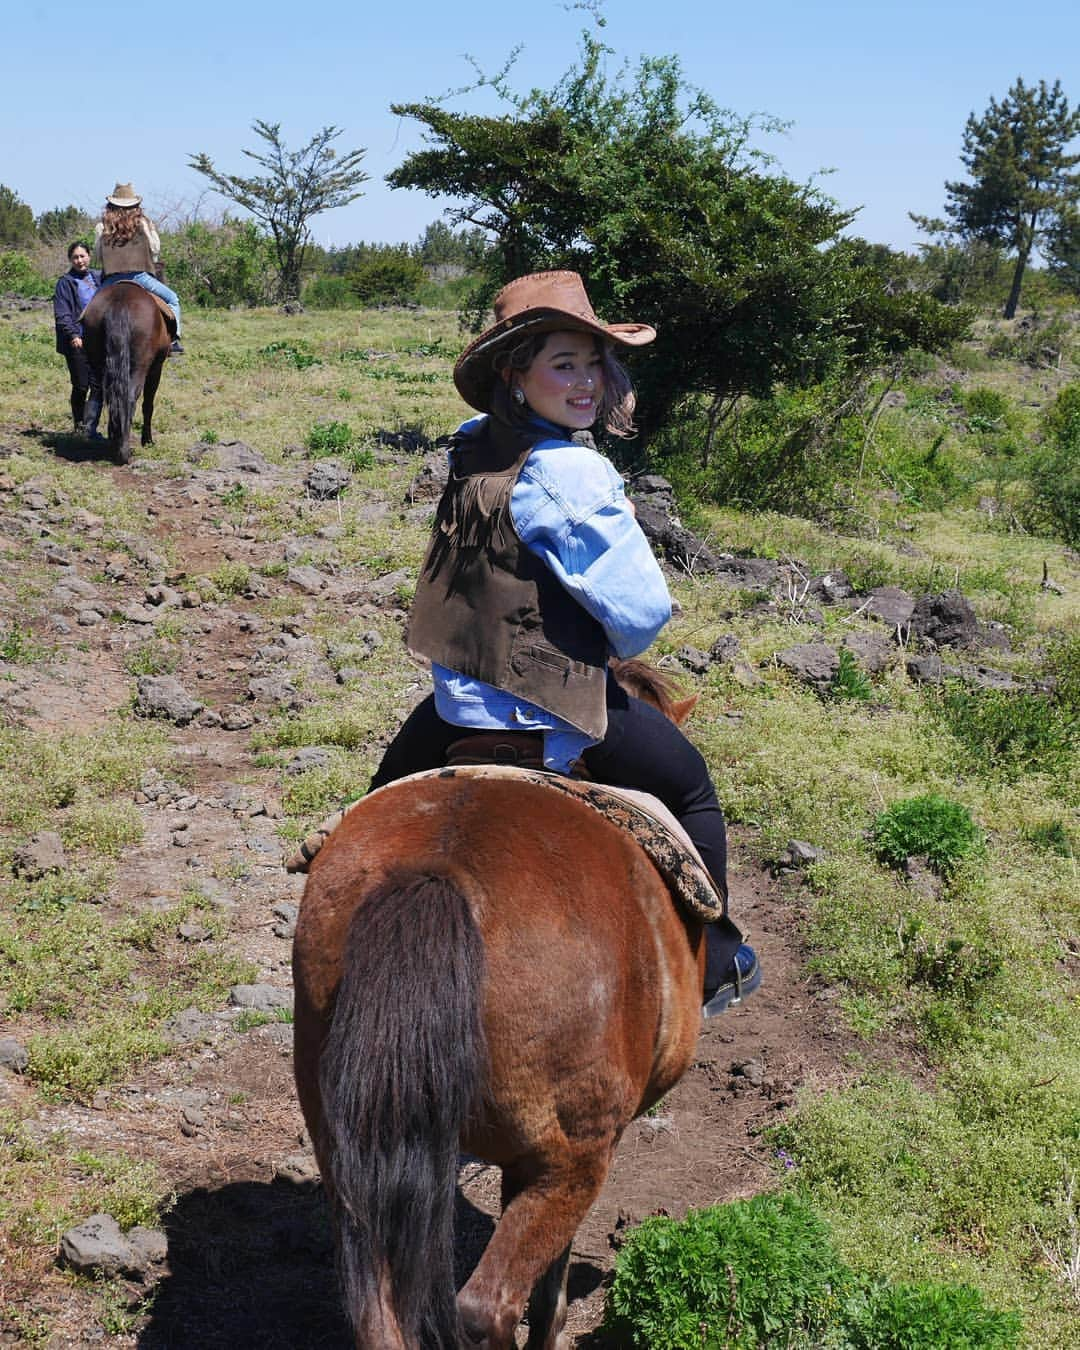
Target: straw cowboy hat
x=543, y=302
x=123, y=194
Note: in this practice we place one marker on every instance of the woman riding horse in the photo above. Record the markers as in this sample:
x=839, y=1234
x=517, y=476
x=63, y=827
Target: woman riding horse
x=537, y=570
x=127, y=246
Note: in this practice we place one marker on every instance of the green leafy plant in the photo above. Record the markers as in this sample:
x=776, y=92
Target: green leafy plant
x=329, y=438
x=933, y=826
x=951, y=966
x=929, y=1316
x=850, y=680
x=295, y=354
x=735, y=1276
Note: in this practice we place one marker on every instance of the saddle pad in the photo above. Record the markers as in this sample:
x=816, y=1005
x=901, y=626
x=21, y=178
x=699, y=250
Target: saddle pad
x=645, y=817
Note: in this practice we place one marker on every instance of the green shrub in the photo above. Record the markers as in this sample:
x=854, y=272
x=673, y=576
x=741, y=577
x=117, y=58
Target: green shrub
x=18, y=276
x=1054, y=469
x=329, y=438
x=933, y=826
x=387, y=274
x=735, y=1276
x=330, y=292
x=850, y=680
x=928, y=1316
x=987, y=409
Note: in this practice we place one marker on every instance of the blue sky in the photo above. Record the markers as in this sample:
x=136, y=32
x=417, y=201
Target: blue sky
x=876, y=92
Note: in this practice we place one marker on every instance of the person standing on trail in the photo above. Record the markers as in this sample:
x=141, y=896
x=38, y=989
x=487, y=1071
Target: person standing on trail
x=74, y=291
x=127, y=246
x=537, y=571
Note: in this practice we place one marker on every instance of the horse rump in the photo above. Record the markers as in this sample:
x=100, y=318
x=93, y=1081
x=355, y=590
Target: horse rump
x=399, y=1077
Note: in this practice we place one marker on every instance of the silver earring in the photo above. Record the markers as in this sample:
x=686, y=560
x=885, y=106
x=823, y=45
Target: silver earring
x=518, y=395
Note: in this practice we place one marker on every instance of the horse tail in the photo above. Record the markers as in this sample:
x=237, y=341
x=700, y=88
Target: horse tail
x=401, y=1073
x=117, y=388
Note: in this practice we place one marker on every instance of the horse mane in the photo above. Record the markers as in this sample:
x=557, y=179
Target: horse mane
x=653, y=686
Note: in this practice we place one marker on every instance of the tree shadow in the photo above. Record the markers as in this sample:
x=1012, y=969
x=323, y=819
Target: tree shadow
x=251, y=1267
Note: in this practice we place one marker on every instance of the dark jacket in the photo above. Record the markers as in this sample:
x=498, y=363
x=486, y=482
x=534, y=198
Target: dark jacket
x=66, y=310
x=487, y=607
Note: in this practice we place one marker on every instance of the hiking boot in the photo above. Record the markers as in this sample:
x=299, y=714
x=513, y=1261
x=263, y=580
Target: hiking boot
x=176, y=349
x=741, y=978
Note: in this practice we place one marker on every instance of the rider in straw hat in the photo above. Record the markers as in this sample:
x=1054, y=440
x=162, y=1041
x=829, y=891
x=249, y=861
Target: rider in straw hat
x=537, y=570
x=127, y=246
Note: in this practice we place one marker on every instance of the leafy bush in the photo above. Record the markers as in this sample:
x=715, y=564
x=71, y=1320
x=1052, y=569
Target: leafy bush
x=329, y=438
x=231, y=263
x=929, y=1316
x=330, y=292
x=1054, y=470
x=389, y=274
x=19, y=277
x=951, y=966
x=933, y=826
x=850, y=681
x=733, y=1276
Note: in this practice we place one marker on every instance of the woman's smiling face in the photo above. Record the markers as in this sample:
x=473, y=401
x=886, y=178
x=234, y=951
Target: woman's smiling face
x=565, y=382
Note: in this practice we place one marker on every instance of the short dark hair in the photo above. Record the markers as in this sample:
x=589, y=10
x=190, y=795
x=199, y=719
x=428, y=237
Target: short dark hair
x=77, y=243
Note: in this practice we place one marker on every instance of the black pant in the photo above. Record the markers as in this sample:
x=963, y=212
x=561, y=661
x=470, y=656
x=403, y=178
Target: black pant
x=643, y=750
x=83, y=380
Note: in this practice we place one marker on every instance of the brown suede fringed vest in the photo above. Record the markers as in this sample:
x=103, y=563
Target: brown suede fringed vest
x=487, y=607
x=134, y=256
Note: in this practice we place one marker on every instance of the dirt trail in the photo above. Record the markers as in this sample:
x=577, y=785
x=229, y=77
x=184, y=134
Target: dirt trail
x=249, y=1255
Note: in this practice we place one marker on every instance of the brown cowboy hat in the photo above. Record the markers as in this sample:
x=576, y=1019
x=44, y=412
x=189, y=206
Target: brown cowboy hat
x=543, y=302
x=123, y=194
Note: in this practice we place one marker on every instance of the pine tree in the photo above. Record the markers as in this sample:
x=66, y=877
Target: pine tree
x=1022, y=183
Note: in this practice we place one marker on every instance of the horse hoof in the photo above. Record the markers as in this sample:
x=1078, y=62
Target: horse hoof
x=121, y=455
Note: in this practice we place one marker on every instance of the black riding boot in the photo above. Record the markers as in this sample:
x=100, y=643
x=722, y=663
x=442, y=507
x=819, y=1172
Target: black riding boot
x=92, y=416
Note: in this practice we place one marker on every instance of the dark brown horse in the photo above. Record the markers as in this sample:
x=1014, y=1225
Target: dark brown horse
x=126, y=340
x=487, y=965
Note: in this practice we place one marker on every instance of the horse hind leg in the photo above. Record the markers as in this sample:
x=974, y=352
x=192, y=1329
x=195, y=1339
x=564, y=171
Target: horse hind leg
x=530, y=1251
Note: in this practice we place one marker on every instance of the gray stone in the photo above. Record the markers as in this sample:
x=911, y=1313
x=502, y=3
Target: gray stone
x=97, y=1246
x=832, y=587
x=260, y=997
x=889, y=604
x=812, y=662
x=42, y=855
x=872, y=651
x=945, y=620
x=694, y=659
x=275, y=689
x=239, y=457
x=430, y=480
x=236, y=718
x=13, y=1055
x=298, y=1168
x=327, y=479
x=799, y=853
x=164, y=696
x=726, y=649
x=150, y=1244
x=307, y=579
x=190, y=1025
x=310, y=757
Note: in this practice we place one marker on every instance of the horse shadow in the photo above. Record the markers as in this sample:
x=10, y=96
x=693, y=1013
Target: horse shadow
x=70, y=446
x=251, y=1267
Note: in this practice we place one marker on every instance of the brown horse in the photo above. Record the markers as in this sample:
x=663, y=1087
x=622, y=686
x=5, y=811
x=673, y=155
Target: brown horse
x=490, y=965
x=126, y=340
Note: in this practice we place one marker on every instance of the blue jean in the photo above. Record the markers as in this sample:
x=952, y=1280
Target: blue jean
x=149, y=283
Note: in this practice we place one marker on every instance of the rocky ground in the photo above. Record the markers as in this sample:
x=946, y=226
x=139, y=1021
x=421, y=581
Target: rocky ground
x=246, y=1260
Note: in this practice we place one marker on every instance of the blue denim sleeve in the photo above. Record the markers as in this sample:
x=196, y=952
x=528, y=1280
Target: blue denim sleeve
x=569, y=508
